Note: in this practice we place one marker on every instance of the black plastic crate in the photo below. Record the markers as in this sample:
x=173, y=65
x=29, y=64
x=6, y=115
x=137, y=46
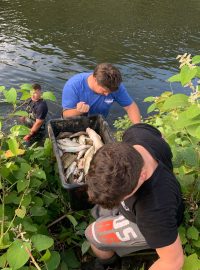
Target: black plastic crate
x=77, y=193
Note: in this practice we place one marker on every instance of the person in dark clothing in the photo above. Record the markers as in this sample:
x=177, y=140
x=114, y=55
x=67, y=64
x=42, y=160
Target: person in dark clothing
x=37, y=111
x=137, y=180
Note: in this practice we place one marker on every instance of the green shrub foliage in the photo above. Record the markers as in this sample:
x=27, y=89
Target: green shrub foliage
x=177, y=116
x=37, y=228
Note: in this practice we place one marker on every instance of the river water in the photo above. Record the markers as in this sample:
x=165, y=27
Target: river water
x=48, y=41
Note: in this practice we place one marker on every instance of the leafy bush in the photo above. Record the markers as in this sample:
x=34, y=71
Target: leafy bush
x=177, y=116
x=38, y=229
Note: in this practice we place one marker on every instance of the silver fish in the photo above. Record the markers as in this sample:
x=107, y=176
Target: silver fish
x=67, y=159
x=95, y=137
x=87, y=158
x=70, y=169
x=77, y=134
x=75, y=149
x=67, y=142
x=64, y=134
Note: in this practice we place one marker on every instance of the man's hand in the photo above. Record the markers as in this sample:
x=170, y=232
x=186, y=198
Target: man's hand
x=27, y=137
x=82, y=107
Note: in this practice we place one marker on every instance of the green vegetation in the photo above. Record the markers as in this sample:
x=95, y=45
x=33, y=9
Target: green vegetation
x=177, y=116
x=38, y=230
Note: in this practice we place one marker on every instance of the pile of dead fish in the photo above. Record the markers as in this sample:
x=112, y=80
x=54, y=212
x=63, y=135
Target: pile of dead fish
x=76, y=152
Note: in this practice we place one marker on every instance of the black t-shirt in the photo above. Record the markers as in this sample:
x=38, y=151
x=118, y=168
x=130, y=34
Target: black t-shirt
x=151, y=139
x=157, y=206
x=37, y=109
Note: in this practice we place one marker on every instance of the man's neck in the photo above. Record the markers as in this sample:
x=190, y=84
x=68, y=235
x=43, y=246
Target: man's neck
x=150, y=164
x=90, y=81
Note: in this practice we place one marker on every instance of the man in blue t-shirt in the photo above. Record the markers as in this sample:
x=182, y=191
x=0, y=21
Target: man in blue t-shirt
x=94, y=93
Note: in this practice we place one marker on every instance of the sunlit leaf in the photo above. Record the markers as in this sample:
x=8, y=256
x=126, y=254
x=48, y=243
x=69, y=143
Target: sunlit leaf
x=10, y=95
x=13, y=146
x=177, y=100
x=187, y=74
x=191, y=262
x=9, y=154
x=149, y=99
x=19, y=130
x=20, y=212
x=17, y=255
x=26, y=86
x=196, y=59
x=175, y=78
x=21, y=113
x=49, y=95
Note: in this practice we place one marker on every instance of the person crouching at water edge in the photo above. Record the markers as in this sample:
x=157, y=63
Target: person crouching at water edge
x=135, y=180
x=94, y=93
x=37, y=111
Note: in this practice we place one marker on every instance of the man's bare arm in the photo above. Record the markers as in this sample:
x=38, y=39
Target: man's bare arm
x=80, y=109
x=170, y=257
x=133, y=113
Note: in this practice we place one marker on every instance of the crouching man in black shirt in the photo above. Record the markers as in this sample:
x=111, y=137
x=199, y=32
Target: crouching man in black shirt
x=136, y=177
x=37, y=111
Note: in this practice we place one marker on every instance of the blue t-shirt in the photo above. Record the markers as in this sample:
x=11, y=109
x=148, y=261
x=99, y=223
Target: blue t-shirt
x=77, y=89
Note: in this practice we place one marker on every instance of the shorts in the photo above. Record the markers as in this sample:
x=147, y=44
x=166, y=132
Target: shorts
x=116, y=233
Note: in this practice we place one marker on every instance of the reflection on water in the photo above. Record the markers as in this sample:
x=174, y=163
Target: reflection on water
x=48, y=41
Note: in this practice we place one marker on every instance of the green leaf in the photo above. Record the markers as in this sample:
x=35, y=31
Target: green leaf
x=151, y=108
x=46, y=256
x=85, y=247
x=182, y=234
x=25, y=167
x=196, y=243
x=191, y=262
x=149, y=99
x=71, y=259
x=26, y=86
x=49, y=95
x=21, y=113
x=177, y=100
x=72, y=220
x=25, y=95
x=38, y=211
x=39, y=173
x=2, y=88
x=10, y=95
x=175, y=78
x=54, y=261
x=196, y=59
x=13, y=145
x=20, y=212
x=28, y=226
x=19, y=130
x=22, y=184
x=187, y=74
x=17, y=256
x=193, y=233
x=3, y=260
x=42, y=242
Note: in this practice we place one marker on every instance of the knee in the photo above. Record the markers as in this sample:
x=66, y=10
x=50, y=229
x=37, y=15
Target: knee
x=88, y=233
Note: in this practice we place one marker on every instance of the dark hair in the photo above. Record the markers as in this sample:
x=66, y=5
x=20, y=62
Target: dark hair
x=114, y=173
x=37, y=86
x=108, y=76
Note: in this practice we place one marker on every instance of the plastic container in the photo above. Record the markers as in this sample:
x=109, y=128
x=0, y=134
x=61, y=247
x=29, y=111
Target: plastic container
x=77, y=193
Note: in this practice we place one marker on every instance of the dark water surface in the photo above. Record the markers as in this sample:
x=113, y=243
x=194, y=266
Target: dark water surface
x=48, y=41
